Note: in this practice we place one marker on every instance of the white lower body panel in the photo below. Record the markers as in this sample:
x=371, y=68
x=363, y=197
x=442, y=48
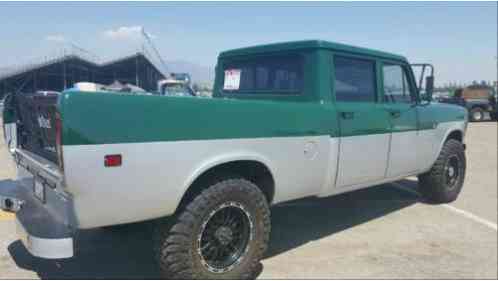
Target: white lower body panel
x=403, y=153
x=154, y=176
x=10, y=136
x=362, y=159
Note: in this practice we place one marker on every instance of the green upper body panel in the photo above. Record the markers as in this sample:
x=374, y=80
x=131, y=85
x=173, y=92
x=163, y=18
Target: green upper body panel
x=8, y=114
x=435, y=113
x=101, y=118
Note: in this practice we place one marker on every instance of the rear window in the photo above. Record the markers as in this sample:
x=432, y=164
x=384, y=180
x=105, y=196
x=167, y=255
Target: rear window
x=274, y=75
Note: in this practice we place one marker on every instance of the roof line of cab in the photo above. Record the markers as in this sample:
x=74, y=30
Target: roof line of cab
x=309, y=44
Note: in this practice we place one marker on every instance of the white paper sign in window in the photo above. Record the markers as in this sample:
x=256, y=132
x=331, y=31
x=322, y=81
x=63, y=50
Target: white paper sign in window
x=232, y=79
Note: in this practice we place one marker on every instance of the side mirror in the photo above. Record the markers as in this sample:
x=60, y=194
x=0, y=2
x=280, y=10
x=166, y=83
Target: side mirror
x=429, y=87
x=425, y=92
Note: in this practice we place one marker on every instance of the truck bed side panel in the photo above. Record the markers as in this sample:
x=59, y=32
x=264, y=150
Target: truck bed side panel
x=166, y=142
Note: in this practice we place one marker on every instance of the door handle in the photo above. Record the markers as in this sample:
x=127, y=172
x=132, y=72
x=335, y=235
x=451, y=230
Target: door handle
x=347, y=115
x=394, y=113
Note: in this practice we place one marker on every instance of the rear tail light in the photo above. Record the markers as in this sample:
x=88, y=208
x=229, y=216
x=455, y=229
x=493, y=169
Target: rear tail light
x=58, y=139
x=113, y=160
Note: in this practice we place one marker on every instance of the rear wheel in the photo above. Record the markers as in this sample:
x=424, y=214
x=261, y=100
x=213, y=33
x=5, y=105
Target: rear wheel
x=476, y=114
x=444, y=181
x=493, y=115
x=221, y=234
x=129, y=227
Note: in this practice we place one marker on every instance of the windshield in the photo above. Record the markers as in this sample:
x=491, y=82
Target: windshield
x=176, y=90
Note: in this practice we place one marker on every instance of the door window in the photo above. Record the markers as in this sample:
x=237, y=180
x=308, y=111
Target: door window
x=354, y=79
x=396, y=87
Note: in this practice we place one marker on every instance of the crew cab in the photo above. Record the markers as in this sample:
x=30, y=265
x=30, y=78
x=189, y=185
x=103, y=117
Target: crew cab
x=286, y=121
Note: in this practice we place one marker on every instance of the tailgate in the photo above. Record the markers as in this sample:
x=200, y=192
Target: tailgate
x=37, y=123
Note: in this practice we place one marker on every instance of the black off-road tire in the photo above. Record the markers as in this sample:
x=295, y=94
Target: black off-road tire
x=129, y=227
x=177, y=242
x=474, y=113
x=434, y=184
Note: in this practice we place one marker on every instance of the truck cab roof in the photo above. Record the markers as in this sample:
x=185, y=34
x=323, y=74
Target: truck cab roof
x=309, y=44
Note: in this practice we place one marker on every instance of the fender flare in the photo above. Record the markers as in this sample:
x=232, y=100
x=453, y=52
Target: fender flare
x=449, y=131
x=213, y=162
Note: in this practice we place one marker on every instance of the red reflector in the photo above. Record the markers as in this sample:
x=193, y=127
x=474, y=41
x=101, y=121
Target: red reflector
x=112, y=160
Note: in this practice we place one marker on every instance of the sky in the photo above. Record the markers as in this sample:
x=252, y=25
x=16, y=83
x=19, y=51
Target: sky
x=459, y=38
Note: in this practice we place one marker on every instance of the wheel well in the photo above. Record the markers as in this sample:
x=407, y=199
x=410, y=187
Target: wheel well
x=254, y=171
x=455, y=135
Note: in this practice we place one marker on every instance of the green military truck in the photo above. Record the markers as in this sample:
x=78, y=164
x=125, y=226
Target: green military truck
x=286, y=121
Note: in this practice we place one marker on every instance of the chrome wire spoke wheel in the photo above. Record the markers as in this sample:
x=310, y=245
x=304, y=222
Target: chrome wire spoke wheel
x=224, y=237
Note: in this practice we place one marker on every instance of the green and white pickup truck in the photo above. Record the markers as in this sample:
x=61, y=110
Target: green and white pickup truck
x=286, y=121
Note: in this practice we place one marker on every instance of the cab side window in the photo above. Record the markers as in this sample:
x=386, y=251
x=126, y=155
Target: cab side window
x=396, y=87
x=282, y=74
x=354, y=79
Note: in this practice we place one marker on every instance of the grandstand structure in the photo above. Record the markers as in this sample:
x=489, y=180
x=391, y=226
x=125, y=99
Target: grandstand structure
x=72, y=65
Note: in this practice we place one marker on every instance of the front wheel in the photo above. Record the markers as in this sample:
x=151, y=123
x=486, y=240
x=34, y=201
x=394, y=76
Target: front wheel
x=221, y=234
x=444, y=181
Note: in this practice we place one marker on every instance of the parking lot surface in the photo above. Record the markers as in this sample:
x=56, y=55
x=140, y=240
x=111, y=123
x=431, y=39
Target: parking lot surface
x=382, y=232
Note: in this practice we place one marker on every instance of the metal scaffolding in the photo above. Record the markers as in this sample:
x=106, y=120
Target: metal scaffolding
x=72, y=65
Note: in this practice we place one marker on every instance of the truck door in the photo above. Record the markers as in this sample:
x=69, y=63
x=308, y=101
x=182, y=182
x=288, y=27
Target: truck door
x=363, y=122
x=400, y=102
